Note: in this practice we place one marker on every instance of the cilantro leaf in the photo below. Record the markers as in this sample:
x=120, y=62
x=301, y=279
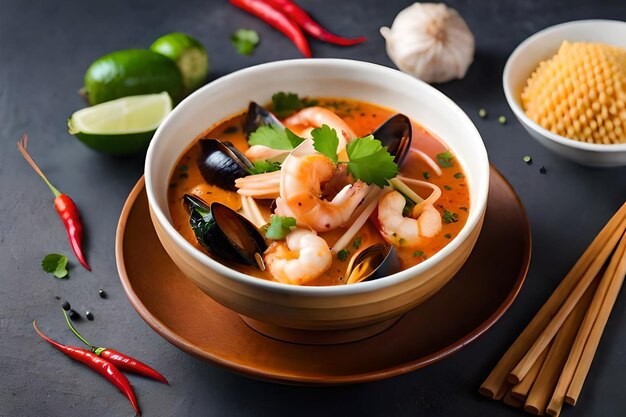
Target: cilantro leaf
x=279, y=227
x=449, y=217
x=55, y=264
x=343, y=255
x=275, y=137
x=445, y=159
x=370, y=162
x=244, y=41
x=260, y=167
x=325, y=141
x=286, y=103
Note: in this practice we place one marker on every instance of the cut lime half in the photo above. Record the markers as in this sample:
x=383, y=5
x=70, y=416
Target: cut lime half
x=123, y=126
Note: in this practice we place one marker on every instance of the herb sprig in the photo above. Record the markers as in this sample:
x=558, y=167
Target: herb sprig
x=284, y=104
x=279, y=227
x=245, y=40
x=55, y=264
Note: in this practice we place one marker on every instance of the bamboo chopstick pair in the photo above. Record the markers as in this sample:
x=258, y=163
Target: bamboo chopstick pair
x=547, y=364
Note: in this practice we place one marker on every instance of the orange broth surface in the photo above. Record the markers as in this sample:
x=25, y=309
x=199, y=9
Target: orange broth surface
x=363, y=118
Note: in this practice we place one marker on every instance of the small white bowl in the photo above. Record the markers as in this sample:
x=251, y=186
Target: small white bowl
x=541, y=46
x=274, y=308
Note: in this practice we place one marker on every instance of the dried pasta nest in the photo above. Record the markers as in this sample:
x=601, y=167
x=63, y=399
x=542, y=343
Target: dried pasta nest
x=580, y=93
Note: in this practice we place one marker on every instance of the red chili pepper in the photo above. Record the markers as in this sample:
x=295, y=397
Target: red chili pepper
x=120, y=360
x=310, y=26
x=98, y=364
x=277, y=20
x=65, y=207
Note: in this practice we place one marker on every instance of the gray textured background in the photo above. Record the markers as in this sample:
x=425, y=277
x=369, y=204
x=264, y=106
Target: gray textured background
x=45, y=48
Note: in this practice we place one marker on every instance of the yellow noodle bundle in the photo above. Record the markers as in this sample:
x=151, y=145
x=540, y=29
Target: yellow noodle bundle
x=580, y=93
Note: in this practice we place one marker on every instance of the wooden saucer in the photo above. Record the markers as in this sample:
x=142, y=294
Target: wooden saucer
x=464, y=309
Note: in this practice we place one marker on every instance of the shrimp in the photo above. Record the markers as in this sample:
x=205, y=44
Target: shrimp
x=319, y=116
x=302, y=178
x=302, y=257
x=265, y=153
x=406, y=231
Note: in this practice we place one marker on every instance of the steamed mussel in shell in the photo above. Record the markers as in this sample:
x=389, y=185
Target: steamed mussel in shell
x=257, y=116
x=373, y=262
x=395, y=134
x=225, y=233
x=221, y=163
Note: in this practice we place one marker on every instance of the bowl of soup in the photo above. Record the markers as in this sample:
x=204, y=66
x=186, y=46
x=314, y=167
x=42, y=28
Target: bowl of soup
x=319, y=199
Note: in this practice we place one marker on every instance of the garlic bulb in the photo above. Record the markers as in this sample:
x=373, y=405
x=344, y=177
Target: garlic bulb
x=431, y=42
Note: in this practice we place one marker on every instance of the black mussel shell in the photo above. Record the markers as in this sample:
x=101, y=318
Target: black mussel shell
x=396, y=134
x=221, y=163
x=225, y=233
x=373, y=262
x=257, y=117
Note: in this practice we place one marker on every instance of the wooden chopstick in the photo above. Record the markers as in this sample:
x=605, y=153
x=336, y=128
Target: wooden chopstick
x=548, y=333
x=521, y=390
x=558, y=398
x=598, y=327
x=492, y=387
x=548, y=377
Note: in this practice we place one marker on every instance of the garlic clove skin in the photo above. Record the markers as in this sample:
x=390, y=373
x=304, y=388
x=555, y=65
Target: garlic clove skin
x=430, y=41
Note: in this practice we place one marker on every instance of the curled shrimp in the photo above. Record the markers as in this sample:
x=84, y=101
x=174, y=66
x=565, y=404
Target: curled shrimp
x=302, y=178
x=406, y=231
x=302, y=257
x=312, y=117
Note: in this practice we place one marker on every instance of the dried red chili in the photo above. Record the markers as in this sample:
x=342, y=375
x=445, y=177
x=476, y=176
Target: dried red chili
x=64, y=206
x=119, y=359
x=277, y=20
x=310, y=26
x=98, y=364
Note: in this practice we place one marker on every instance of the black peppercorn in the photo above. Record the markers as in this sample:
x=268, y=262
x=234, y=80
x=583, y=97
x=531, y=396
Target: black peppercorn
x=89, y=315
x=102, y=293
x=66, y=306
x=73, y=315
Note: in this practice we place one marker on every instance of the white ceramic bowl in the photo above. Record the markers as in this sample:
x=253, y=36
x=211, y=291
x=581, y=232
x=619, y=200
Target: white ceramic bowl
x=273, y=307
x=541, y=46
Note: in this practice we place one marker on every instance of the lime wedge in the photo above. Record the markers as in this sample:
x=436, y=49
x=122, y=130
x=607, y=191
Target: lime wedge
x=123, y=126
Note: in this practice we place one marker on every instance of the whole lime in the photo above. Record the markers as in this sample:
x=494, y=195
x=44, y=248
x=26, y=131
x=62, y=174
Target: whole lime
x=189, y=55
x=132, y=72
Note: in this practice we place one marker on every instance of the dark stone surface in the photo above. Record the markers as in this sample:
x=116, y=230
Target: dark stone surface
x=45, y=48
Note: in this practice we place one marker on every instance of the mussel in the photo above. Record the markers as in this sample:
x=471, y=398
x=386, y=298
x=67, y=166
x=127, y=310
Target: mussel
x=221, y=163
x=371, y=263
x=257, y=116
x=396, y=134
x=225, y=233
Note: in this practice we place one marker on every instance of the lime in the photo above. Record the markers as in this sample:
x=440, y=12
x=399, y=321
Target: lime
x=189, y=55
x=123, y=126
x=132, y=72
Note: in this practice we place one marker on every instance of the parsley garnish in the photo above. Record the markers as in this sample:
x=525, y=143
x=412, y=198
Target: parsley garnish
x=343, y=255
x=244, y=41
x=370, y=162
x=285, y=104
x=463, y=208
x=279, y=227
x=55, y=264
x=357, y=242
x=426, y=175
x=449, y=217
x=273, y=136
x=445, y=159
x=447, y=235
x=458, y=175
x=325, y=141
x=260, y=167
x=418, y=253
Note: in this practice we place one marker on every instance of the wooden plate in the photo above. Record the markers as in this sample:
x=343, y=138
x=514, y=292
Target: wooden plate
x=464, y=309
